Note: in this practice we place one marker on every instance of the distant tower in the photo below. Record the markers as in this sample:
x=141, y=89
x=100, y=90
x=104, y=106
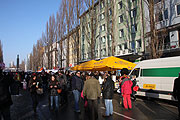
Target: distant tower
x=17, y=62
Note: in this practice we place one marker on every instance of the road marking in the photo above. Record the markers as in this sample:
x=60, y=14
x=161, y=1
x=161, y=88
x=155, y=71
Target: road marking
x=120, y=114
x=159, y=102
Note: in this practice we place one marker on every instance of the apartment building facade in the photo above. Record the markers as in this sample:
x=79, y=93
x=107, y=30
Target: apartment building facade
x=117, y=26
x=167, y=17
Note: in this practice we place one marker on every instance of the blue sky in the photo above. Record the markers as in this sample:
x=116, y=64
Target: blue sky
x=21, y=25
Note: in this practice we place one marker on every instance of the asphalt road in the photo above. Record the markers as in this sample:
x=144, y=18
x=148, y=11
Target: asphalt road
x=143, y=109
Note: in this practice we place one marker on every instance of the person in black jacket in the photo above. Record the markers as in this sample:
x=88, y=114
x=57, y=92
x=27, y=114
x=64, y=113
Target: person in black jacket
x=77, y=87
x=133, y=95
x=34, y=84
x=53, y=92
x=5, y=96
x=176, y=91
x=108, y=93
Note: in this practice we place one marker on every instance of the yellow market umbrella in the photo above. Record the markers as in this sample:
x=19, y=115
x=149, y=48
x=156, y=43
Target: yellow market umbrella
x=87, y=66
x=113, y=63
x=75, y=68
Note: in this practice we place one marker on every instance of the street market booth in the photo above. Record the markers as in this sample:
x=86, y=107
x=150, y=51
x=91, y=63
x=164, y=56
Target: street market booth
x=108, y=64
x=112, y=64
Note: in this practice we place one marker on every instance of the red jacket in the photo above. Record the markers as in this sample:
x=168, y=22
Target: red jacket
x=126, y=87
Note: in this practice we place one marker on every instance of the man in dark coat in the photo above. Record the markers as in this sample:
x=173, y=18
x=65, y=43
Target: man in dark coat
x=176, y=91
x=5, y=96
x=77, y=86
x=108, y=93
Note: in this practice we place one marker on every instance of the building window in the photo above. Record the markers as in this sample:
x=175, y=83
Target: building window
x=121, y=33
x=121, y=19
x=103, y=27
x=82, y=38
x=134, y=28
x=166, y=14
x=110, y=11
x=178, y=9
x=132, y=0
x=133, y=45
x=159, y=17
x=83, y=28
x=102, y=5
x=109, y=1
x=157, y=1
x=125, y=46
x=120, y=5
x=110, y=23
x=110, y=37
x=104, y=51
x=88, y=24
x=102, y=16
x=133, y=13
x=138, y=43
x=119, y=47
x=179, y=37
x=103, y=39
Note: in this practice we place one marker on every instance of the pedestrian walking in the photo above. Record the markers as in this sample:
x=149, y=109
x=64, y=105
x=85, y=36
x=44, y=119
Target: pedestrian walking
x=133, y=95
x=53, y=92
x=34, y=84
x=108, y=93
x=176, y=92
x=77, y=86
x=63, y=83
x=92, y=92
x=5, y=96
x=126, y=90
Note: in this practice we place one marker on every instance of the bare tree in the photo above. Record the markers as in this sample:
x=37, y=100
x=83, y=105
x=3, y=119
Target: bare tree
x=31, y=62
x=157, y=35
x=78, y=9
x=89, y=27
x=51, y=38
x=40, y=50
x=1, y=52
x=68, y=4
x=110, y=16
x=61, y=31
x=22, y=65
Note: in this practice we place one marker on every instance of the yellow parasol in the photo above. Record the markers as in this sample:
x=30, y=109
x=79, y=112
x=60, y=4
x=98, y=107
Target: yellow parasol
x=87, y=66
x=113, y=63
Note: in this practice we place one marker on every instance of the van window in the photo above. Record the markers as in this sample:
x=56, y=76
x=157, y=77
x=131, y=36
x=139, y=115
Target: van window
x=135, y=72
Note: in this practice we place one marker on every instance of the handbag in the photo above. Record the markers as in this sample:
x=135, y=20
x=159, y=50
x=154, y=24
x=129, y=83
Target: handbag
x=136, y=88
x=39, y=91
x=59, y=90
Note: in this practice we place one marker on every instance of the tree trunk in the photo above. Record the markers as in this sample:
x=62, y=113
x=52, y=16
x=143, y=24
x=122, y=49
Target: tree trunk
x=92, y=30
x=153, y=29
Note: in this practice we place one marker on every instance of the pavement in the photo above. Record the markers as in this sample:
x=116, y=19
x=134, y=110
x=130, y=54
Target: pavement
x=143, y=109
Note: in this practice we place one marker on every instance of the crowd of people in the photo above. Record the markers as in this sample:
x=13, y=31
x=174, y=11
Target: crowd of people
x=83, y=85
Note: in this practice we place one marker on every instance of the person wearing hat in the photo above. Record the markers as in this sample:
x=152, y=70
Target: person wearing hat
x=92, y=92
x=176, y=92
